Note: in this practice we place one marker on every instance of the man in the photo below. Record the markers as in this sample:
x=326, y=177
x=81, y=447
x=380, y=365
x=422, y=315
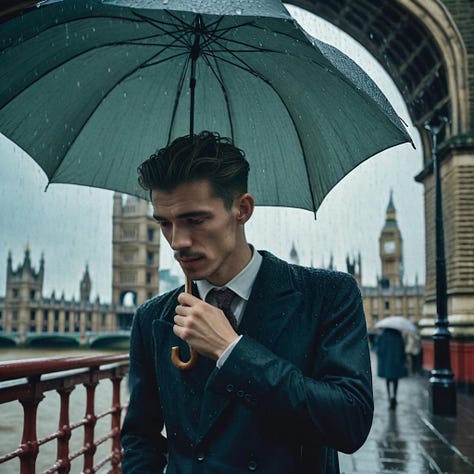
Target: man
x=281, y=385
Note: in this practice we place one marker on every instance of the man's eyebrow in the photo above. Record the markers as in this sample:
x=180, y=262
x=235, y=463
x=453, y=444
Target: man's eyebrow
x=184, y=215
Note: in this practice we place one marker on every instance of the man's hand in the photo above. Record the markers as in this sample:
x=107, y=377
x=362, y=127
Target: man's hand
x=203, y=326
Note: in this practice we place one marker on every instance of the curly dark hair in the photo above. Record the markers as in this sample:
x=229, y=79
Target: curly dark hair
x=203, y=156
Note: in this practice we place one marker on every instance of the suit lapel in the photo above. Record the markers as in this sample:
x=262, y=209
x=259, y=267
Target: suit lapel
x=272, y=303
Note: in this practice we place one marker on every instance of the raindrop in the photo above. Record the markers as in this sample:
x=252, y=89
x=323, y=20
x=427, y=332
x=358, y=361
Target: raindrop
x=124, y=95
x=165, y=2
x=109, y=70
x=238, y=11
x=78, y=84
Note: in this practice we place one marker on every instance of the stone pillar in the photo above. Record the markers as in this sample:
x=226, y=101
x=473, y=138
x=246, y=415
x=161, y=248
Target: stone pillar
x=457, y=175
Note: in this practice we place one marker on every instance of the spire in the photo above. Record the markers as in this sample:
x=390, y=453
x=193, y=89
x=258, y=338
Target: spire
x=391, y=213
x=85, y=286
x=27, y=260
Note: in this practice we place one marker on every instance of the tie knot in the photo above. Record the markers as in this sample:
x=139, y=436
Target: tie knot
x=223, y=297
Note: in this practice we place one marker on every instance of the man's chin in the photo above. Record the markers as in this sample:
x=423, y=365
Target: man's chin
x=193, y=269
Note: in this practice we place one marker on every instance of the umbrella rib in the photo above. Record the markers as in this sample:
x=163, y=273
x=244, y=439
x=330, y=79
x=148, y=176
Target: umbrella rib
x=68, y=22
x=268, y=82
x=158, y=25
x=218, y=75
x=179, y=89
x=80, y=53
x=111, y=88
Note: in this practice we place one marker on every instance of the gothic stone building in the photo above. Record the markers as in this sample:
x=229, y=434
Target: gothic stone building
x=392, y=296
x=135, y=278
x=25, y=309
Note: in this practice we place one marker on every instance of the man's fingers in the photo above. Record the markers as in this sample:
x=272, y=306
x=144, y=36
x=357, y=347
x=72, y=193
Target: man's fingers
x=182, y=321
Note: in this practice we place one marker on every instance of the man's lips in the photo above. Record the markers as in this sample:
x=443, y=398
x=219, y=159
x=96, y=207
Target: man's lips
x=186, y=260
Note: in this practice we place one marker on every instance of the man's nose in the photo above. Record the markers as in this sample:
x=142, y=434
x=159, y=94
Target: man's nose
x=180, y=239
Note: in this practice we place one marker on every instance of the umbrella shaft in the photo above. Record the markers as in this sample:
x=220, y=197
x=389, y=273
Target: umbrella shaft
x=195, y=51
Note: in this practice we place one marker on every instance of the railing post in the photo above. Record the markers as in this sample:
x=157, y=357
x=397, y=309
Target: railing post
x=116, y=415
x=30, y=393
x=91, y=420
x=64, y=429
x=29, y=440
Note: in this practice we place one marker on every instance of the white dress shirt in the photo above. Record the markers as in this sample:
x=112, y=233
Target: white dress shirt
x=241, y=285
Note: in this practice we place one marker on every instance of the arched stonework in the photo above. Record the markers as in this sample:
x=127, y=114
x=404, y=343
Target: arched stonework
x=420, y=46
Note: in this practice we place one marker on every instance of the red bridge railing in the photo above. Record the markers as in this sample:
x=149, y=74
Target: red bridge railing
x=27, y=381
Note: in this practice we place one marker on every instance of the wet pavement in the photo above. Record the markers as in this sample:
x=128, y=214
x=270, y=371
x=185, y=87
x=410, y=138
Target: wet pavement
x=409, y=439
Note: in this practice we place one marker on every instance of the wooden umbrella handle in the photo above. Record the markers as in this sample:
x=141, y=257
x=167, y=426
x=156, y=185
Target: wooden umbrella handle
x=177, y=362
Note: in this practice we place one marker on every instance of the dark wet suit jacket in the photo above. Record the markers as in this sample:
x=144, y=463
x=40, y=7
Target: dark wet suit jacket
x=295, y=390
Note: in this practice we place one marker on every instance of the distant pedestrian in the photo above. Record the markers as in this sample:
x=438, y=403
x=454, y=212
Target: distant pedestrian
x=413, y=352
x=390, y=349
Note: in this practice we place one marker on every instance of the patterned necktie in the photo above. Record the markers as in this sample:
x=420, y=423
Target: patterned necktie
x=223, y=300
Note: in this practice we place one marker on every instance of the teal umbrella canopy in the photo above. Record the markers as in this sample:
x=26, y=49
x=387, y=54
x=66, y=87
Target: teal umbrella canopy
x=90, y=89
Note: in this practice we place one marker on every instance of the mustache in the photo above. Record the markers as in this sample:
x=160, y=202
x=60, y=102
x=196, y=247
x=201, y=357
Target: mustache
x=186, y=254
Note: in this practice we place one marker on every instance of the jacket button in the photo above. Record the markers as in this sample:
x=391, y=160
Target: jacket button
x=252, y=466
x=200, y=457
x=250, y=399
x=230, y=388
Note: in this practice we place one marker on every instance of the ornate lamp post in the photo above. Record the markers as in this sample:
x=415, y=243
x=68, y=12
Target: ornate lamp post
x=443, y=389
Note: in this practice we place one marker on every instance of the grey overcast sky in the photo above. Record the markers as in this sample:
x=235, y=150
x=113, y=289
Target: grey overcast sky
x=72, y=225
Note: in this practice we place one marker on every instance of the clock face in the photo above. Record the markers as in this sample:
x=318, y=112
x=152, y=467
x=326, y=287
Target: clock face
x=389, y=246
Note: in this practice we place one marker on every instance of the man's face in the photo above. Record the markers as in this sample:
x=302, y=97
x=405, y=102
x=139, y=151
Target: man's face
x=207, y=238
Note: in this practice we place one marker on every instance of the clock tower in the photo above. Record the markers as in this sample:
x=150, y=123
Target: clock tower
x=391, y=249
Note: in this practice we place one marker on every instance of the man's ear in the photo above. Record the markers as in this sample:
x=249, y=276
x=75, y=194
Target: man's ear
x=245, y=205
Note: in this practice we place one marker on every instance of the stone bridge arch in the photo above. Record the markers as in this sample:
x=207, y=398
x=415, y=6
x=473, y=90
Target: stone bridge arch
x=427, y=48
x=419, y=44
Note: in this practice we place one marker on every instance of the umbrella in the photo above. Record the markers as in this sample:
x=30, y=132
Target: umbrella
x=399, y=323
x=90, y=88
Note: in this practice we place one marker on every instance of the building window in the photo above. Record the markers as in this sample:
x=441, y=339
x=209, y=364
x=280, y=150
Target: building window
x=32, y=294
x=149, y=258
x=128, y=277
x=32, y=315
x=15, y=292
x=129, y=232
x=151, y=234
x=148, y=277
x=387, y=304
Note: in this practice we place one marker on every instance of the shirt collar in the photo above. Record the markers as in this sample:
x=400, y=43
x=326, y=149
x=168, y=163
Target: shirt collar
x=241, y=284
